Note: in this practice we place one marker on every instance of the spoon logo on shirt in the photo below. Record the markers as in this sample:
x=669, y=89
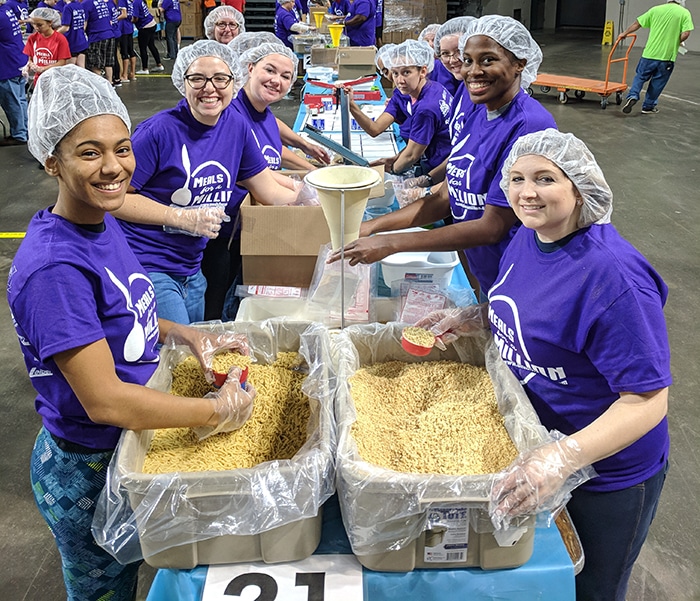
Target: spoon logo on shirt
x=445, y=107
x=208, y=183
x=270, y=153
x=140, y=298
x=458, y=174
x=510, y=341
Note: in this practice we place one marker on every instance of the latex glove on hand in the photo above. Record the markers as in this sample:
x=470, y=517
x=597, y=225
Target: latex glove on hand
x=198, y=221
x=540, y=479
x=422, y=181
x=450, y=324
x=307, y=196
x=232, y=405
x=204, y=345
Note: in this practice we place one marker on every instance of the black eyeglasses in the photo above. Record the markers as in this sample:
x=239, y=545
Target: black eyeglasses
x=220, y=81
x=223, y=25
x=448, y=56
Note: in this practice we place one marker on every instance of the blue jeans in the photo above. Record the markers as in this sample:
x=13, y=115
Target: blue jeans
x=171, y=28
x=612, y=527
x=657, y=73
x=13, y=101
x=179, y=298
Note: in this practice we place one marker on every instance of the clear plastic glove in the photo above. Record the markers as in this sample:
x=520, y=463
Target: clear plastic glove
x=422, y=181
x=198, y=221
x=540, y=479
x=204, y=345
x=405, y=195
x=306, y=195
x=450, y=324
x=232, y=406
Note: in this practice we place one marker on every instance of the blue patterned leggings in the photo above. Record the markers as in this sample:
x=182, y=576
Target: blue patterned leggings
x=66, y=487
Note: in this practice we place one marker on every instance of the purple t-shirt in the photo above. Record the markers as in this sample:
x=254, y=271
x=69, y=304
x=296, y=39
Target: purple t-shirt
x=364, y=33
x=424, y=121
x=339, y=7
x=116, y=23
x=379, y=15
x=479, y=149
x=264, y=128
x=284, y=19
x=142, y=14
x=69, y=287
x=98, y=16
x=11, y=45
x=445, y=77
x=579, y=325
x=127, y=25
x=74, y=17
x=171, y=8
x=182, y=162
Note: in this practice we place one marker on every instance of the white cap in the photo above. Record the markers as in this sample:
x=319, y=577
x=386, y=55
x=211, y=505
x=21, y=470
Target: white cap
x=458, y=26
x=47, y=14
x=222, y=12
x=187, y=55
x=63, y=98
x=253, y=55
x=411, y=53
x=250, y=39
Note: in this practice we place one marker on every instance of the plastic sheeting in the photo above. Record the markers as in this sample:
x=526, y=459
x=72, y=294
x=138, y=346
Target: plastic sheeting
x=385, y=510
x=163, y=511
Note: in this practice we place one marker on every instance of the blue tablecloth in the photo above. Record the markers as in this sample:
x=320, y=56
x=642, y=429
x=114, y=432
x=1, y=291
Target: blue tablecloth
x=548, y=575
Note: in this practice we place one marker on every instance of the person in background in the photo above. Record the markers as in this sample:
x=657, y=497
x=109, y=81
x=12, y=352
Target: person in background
x=46, y=47
x=338, y=9
x=188, y=161
x=239, y=5
x=73, y=27
x=98, y=26
x=119, y=14
x=271, y=69
x=126, y=42
x=287, y=22
x=669, y=27
x=421, y=108
x=13, y=98
x=146, y=24
x=208, y=6
x=360, y=22
x=379, y=23
x=380, y=61
x=446, y=44
x=73, y=289
x=170, y=9
x=500, y=61
x=591, y=352
x=223, y=24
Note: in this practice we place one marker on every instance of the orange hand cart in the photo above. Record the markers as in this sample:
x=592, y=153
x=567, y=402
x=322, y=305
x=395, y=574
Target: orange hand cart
x=581, y=85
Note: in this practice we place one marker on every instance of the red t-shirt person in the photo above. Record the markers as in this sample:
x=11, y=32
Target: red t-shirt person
x=46, y=50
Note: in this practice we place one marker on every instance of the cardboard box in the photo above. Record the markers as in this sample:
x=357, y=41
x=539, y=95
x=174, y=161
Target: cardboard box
x=280, y=245
x=324, y=57
x=356, y=61
x=192, y=26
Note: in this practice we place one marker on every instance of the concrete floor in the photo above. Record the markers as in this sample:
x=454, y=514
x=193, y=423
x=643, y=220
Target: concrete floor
x=651, y=162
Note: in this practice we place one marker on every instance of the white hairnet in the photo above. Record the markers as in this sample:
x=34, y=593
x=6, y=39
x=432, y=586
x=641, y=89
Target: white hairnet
x=430, y=30
x=222, y=12
x=382, y=53
x=47, y=14
x=572, y=156
x=681, y=2
x=251, y=39
x=187, y=55
x=410, y=53
x=253, y=55
x=513, y=36
x=458, y=26
x=64, y=97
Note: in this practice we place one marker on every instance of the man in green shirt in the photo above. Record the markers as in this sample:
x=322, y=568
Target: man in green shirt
x=669, y=26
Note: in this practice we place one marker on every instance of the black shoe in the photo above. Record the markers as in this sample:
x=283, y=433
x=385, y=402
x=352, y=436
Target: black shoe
x=627, y=109
x=10, y=141
x=652, y=111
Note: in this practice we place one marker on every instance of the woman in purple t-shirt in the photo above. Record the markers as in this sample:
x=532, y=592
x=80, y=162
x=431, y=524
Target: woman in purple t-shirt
x=577, y=315
x=189, y=160
x=85, y=314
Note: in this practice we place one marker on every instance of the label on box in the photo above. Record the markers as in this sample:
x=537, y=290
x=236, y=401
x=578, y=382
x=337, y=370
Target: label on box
x=275, y=291
x=317, y=578
x=447, y=535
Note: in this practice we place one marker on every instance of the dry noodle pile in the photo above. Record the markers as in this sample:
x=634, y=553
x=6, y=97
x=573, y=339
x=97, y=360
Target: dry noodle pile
x=429, y=418
x=275, y=430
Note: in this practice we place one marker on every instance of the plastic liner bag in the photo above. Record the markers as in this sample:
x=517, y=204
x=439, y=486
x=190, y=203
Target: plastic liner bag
x=162, y=511
x=384, y=510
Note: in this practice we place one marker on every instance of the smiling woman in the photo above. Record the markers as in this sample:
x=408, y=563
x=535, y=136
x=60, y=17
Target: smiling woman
x=188, y=161
x=85, y=315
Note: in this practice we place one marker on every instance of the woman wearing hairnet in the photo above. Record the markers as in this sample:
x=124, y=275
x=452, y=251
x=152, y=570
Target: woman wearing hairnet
x=421, y=108
x=46, y=47
x=490, y=112
x=271, y=70
x=188, y=160
x=85, y=316
x=223, y=24
x=577, y=314
x=448, y=66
